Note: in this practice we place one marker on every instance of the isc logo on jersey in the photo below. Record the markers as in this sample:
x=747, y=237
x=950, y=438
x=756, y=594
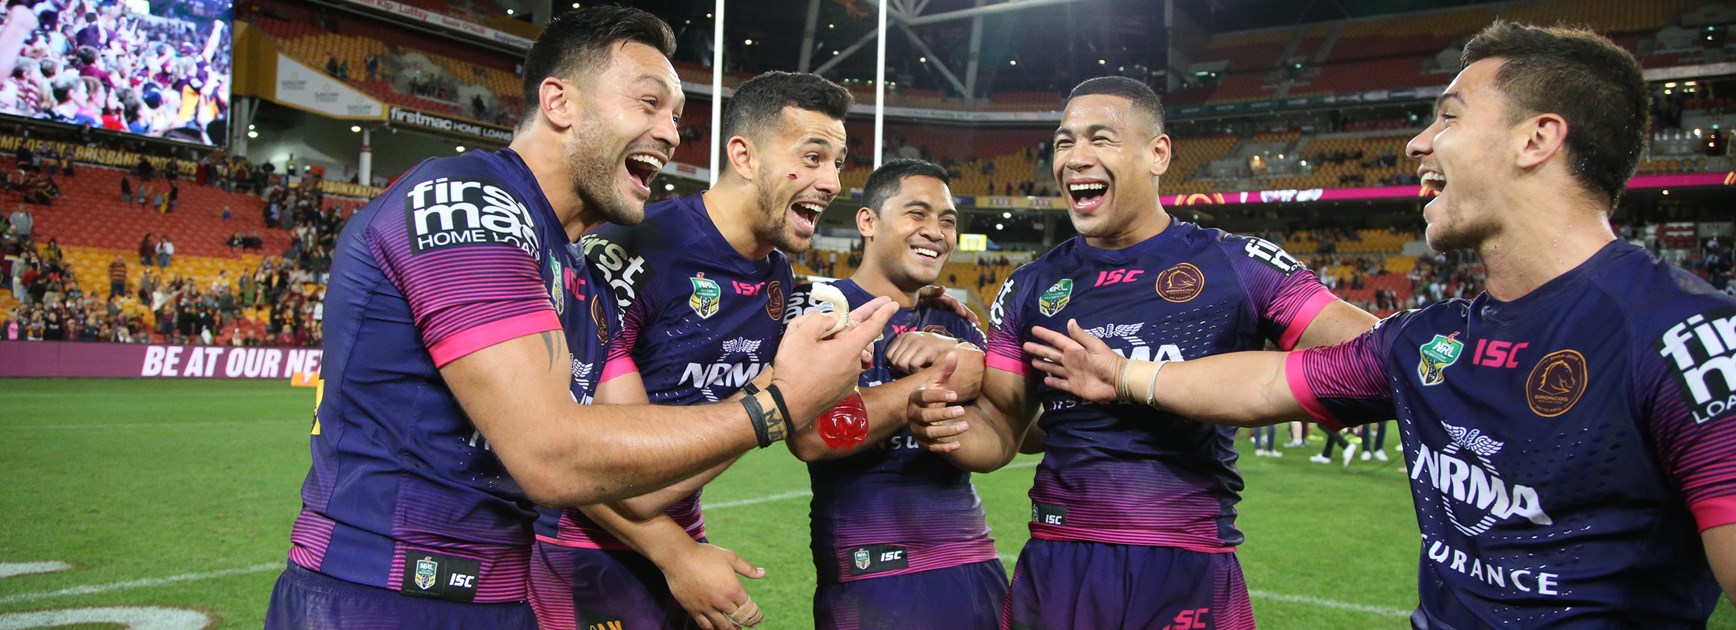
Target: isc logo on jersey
x=445, y=212
x=1703, y=348
x=620, y=269
x=1472, y=492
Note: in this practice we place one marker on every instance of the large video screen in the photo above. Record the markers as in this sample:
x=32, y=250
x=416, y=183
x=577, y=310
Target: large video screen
x=157, y=68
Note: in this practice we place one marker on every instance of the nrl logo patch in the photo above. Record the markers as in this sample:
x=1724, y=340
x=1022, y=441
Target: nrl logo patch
x=861, y=559
x=706, y=295
x=1056, y=298
x=426, y=571
x=1437, y=355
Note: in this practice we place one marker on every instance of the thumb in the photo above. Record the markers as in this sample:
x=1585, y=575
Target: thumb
x=745, y=568
x=948, y=365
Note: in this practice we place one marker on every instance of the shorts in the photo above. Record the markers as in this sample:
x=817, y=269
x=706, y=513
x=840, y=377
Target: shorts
x=965, y=597
x=575, y=587
x=1063, y=584
x=306, y=599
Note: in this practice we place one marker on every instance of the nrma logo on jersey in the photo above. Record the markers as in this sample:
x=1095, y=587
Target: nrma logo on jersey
x=1703, y=348
x=446, y=213
x=725, y=372
x=1472, y=491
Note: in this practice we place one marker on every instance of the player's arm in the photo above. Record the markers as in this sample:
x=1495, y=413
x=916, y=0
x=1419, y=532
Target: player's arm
x=981, y=436
x=913, y=352
x=1336, y=323
x=628, y=388
x=564, y=454
x=1720, y=545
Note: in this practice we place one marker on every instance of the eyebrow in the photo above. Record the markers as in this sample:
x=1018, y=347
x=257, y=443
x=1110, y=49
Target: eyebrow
x=660, y=81
x=1088, y=130
x=1442, y=99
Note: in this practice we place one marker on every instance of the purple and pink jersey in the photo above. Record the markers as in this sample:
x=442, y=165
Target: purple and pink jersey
x=1130, y=474
x=895, y=508
x=698, y=321
x=460, y=254
x=1562, y=472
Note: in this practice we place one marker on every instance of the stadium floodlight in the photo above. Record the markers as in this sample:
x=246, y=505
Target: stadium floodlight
x=355, y=128
x=460, y=148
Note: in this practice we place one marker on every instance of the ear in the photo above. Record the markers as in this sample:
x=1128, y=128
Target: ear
x=1540, y=138
x=866, y=222
x=557, y=100
x=739, y=152
x=1160, y=154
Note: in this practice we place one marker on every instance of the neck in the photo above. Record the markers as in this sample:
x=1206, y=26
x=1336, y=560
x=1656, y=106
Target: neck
x=1144, y=227
x=540, y=148
x=731, y=206
x=1543, y=237
x=874, y=279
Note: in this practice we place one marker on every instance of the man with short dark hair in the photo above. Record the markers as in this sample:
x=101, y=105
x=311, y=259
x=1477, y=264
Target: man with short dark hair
x=1577, y=468
x=457, y=314
x=1133, y=511
x=701, y=285
x=118, y=277
x=898, y=534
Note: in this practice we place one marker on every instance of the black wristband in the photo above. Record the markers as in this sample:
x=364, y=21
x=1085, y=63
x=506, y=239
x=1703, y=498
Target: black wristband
x=783, y=410
x=750, y=388
x=756, y=415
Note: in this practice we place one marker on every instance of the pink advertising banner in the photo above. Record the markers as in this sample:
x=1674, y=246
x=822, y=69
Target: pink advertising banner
x=71, y=359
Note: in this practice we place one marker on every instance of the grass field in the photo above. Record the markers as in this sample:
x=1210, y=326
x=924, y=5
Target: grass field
x=180, y=494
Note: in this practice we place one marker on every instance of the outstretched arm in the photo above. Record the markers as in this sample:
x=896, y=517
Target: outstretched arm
x=565, y=454
x=1241, y=388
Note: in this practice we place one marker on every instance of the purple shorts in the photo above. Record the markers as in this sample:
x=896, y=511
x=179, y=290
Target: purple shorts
x=965, y=597
x=1061, y=584
x=305, y=599
x=575, y=587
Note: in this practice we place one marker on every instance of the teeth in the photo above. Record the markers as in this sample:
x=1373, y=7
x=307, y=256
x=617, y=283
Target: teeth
x=927, y=252
x=648, y=159
x=811, y=207
x=1434, y=177
x=1090, y=187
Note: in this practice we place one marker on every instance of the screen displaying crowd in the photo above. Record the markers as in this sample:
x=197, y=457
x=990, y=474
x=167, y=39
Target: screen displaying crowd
x=151, y=67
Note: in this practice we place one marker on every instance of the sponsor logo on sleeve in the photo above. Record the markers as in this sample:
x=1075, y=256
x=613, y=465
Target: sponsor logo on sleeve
x=1056, y=298
x=1180, y=283
x=801, y=302
x=625, y=271
x=1437, y=355
x=1556, y=383
x=1270, y=253
x=445, y=212
x=998, y=312
x=1702, y=349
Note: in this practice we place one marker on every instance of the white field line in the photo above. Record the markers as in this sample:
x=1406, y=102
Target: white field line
x=93, y=589
x=9, y=569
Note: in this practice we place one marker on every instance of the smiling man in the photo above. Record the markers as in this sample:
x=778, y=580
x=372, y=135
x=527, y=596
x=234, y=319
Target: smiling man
x=458, y=316
x=1133, y=510
x=701, y=284
x=899, y=537
x=1570, y=435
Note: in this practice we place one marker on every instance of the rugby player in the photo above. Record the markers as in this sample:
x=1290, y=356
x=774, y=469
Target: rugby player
x=1578, y=467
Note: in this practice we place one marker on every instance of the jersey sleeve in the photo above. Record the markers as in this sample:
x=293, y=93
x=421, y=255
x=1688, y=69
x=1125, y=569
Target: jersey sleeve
x=1005, y=349
x=1345, y=385
x=1286, y=294
x=1687, y=388
x=612, y=252
x=467, y=288
x=801, y=302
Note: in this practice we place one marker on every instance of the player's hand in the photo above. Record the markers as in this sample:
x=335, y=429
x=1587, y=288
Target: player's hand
x=936, y=419
x=703, y=581
x=915, y=351
x=818, y=371
x=934, y=296
x=1080, y=364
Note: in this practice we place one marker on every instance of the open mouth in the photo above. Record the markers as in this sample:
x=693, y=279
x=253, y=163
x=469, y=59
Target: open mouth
x=807, y=215
x=642, y=168
x=1087, y=195
x=1434, y=182
x=927, y=255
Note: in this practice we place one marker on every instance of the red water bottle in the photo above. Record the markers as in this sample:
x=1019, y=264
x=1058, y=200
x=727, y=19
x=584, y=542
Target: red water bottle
x=845, y=425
